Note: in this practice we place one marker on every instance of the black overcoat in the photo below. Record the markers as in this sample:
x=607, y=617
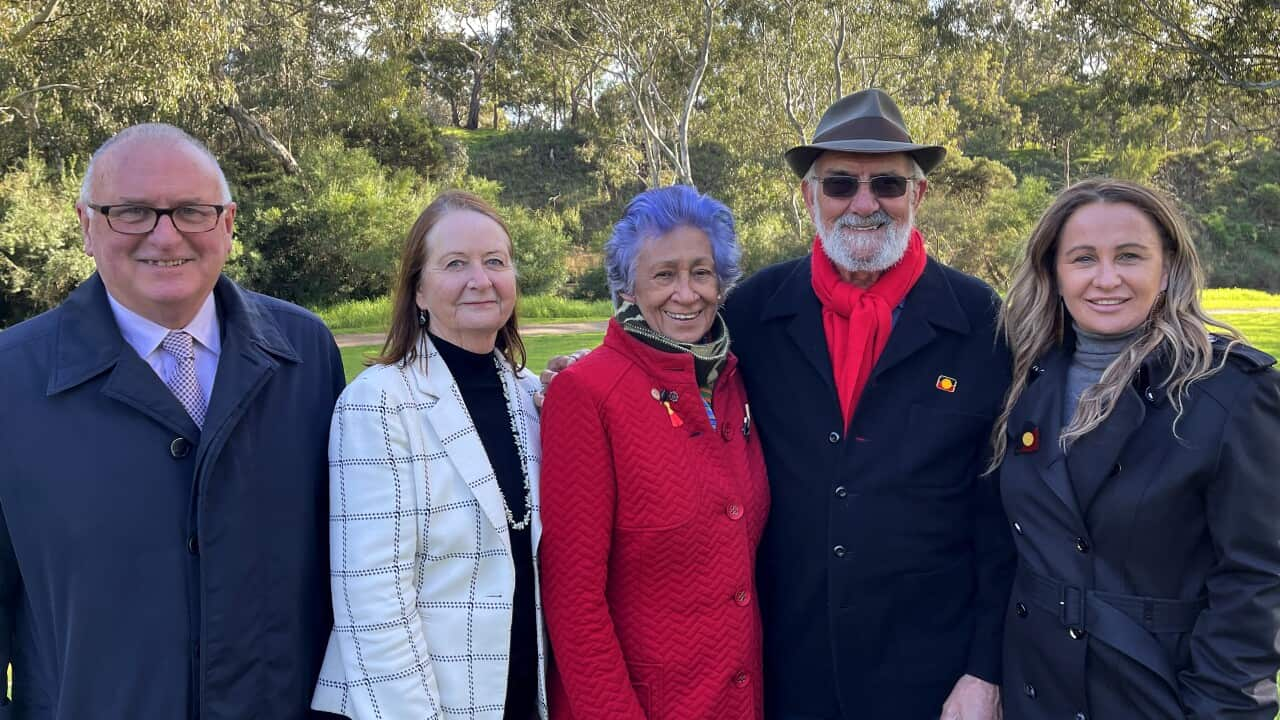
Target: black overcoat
x=885, y=566
x=148, y=569
x=1148, y=582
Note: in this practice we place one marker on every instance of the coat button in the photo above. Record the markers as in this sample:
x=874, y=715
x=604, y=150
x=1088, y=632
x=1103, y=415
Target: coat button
x=1030, y=690
x=725, y=432
x=193, y=544
x=1081, y=716
x=180, y=447
x=734, y=511
x=741, y=679
x=1075, y=634
x=833, y=438
x=841, y=492
x=838, y=551
x=1082, y=545
x=1020, y=609
x=741, y=598
x=1017, y=527
x=1115, y=470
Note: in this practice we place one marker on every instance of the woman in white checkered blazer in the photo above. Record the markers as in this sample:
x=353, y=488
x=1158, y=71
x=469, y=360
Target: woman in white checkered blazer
x=433, y=462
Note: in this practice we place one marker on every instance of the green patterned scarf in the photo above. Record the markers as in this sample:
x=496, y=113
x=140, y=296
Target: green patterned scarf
x=708, y=356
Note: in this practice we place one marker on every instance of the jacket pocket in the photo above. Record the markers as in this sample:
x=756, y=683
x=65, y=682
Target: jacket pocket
x=940, y=444
x=646, y=681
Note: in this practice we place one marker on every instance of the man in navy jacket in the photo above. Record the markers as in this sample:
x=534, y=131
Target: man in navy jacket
x=163, y=478
x=874, y=376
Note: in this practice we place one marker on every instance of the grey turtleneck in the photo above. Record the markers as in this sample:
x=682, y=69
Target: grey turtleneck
x=1094, y=353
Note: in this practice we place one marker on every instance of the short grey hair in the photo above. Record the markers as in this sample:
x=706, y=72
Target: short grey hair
x=153, y=132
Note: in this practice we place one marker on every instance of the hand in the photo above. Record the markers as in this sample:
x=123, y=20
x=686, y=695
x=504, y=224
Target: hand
x=972, y=699
x=554, y=366
x=558, y=363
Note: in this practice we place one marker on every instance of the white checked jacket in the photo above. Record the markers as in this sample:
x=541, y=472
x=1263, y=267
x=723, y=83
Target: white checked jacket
x=421, y=568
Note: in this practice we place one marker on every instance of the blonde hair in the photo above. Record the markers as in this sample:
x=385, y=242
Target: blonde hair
x=1033, y=319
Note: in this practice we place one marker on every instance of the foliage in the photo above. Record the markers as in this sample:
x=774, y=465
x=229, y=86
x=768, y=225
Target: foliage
x=402, y=140
x=1233, y=199
x=540, y=248
x=41, y=255
x=339, y=237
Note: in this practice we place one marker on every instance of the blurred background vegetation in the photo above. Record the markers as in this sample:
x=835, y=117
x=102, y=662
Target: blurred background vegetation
x=337, y=121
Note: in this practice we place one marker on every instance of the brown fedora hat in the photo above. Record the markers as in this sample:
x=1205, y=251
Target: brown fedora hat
x=867, y=121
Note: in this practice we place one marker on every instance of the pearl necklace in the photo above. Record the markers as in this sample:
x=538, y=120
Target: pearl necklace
x=520, y=450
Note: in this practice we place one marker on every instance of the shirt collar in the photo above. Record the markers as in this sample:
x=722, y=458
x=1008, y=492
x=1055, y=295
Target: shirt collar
x=145, y=336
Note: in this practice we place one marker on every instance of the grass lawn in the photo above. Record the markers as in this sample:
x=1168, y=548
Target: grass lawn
x=373, y=316
x=1262, y=330
x=540, y=348
x=1238, y=299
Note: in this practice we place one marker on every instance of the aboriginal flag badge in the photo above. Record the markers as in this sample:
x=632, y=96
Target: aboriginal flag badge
x=1028, y=439
x=946, y=384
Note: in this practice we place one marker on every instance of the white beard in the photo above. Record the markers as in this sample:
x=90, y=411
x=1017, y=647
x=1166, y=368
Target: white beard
x=857, y=251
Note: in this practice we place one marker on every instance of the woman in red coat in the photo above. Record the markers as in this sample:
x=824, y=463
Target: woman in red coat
x=654, y=493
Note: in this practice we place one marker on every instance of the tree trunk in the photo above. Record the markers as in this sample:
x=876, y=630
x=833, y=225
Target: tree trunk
x=473, y=106
x=255, y=129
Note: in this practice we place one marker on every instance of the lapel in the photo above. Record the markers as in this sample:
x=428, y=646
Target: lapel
x=88, y=344
x=1041, y=407
x=253, y=348
x=931, y=302
x=448, y=416
x=795, y=303
x=1093, y=456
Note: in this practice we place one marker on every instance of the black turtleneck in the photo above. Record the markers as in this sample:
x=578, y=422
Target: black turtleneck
x=477, y=378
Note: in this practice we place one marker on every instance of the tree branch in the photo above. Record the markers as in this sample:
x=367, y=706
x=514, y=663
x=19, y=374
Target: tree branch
x=40, y=18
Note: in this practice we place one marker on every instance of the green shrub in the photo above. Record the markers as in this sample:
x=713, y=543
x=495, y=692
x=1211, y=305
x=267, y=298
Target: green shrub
x=336, y=237
x=404, y=140
x=540, y=248
x=41, y=251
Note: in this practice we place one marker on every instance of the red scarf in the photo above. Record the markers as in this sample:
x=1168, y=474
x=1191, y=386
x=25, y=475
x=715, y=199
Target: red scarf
x=857, y=322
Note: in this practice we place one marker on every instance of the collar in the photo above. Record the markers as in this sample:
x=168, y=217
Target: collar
x=145, y=335
x=664, y=367
x=88, y=341
x=932, y=296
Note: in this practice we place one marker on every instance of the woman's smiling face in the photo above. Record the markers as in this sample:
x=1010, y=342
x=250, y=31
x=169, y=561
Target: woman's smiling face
x=1110, y=267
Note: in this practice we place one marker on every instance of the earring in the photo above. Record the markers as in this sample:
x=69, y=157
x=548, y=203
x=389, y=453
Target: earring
x=422, y=318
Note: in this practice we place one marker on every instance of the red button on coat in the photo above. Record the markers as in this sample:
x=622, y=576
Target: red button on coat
x=741, y=597
x=740, y=679
x=734, y=511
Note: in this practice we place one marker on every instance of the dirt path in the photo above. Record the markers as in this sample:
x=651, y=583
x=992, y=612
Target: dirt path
x=574, y=328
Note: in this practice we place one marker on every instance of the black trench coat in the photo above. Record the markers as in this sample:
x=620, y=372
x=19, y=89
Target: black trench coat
x=1148, y=582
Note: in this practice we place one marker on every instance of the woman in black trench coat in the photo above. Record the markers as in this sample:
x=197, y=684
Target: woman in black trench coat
x=1139, y=462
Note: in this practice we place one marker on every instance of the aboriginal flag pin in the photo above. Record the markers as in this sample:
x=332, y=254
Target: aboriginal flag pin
x=666, y=397
x=1028, y=439
x=946, y=384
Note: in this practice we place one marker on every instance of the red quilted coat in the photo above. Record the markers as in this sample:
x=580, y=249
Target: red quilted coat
x=649, y=540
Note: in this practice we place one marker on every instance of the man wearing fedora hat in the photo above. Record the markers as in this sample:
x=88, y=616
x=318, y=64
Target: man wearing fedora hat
x=874, y=374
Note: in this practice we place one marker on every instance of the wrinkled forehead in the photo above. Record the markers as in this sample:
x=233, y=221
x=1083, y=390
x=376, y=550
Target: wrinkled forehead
x=846, y=163
x=156, y=171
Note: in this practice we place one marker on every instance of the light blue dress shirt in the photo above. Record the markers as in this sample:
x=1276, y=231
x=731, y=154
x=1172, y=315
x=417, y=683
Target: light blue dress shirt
x=145, y=336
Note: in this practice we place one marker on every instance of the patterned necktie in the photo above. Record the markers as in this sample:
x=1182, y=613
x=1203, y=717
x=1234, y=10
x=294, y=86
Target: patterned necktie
x=182, y=381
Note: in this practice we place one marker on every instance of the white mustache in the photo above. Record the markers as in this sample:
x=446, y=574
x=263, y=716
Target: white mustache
x=859, y=222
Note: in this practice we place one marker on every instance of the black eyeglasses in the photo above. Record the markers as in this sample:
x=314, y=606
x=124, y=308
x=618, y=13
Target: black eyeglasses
x=142, y=219
x=882, y=186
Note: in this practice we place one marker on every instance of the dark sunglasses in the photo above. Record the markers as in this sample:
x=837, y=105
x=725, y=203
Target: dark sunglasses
x=882, y=186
